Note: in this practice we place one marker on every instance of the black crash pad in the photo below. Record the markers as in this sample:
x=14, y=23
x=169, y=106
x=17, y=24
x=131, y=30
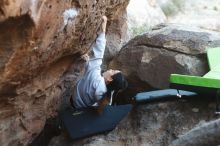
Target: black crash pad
x=161, y=94
x=83, y=123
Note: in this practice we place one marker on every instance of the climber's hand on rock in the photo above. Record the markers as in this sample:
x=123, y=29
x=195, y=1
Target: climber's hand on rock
x=104, y=23
x=85, y=57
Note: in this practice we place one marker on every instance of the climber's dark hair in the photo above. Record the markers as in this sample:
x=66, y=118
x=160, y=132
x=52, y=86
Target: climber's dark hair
x=117, y=84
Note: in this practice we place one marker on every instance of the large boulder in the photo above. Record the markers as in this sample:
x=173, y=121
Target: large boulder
x=40, y=42
x=167, y=49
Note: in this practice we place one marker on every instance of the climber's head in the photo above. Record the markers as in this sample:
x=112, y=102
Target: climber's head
x=115, y=80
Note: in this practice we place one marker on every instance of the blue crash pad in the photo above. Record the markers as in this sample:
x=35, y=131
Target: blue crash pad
x=160, y=94
x=83, y=123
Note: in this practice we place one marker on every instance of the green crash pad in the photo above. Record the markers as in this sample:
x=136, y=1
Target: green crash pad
x=213, y=55
x=217, y=68
x=195, y=81
x=209, y=80
x=213, y=75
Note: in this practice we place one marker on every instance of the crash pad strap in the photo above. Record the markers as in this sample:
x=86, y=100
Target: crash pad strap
x=195, y=81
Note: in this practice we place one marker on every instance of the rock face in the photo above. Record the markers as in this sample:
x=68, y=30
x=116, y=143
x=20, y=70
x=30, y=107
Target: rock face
x=39, y=41
x=167, y=49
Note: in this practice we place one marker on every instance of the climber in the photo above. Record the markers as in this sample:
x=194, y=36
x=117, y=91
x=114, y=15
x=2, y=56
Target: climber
x=94, y=87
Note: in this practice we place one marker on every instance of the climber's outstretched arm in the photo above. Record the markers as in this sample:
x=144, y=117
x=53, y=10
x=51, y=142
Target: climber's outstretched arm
x=98, y=48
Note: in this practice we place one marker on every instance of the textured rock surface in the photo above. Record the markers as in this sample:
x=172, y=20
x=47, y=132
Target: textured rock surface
x=164, y=50
x=150, y=125
x=39, y=40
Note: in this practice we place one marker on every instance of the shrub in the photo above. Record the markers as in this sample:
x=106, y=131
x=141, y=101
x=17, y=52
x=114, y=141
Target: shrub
x=172, y=7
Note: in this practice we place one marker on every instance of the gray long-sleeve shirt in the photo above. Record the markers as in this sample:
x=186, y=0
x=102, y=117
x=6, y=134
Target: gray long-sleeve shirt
x=91, y=87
